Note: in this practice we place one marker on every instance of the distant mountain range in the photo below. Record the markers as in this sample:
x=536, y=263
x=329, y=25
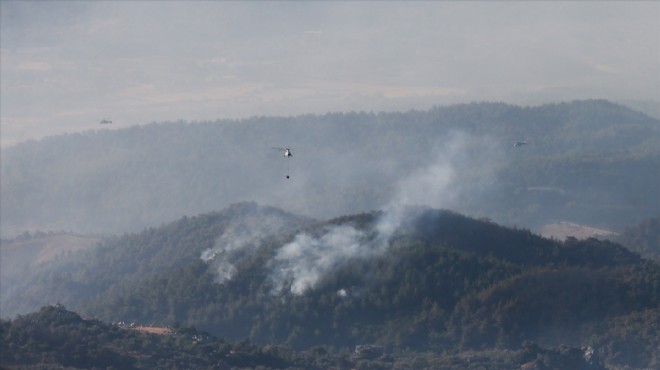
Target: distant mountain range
x=588, y=162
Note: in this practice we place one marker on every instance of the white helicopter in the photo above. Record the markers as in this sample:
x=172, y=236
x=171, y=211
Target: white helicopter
x=287, y=154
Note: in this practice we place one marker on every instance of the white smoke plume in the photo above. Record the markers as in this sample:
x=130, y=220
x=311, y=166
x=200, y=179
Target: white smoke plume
x=301, y=264
x=304, y=261
x=434, y=184
x=240, y=239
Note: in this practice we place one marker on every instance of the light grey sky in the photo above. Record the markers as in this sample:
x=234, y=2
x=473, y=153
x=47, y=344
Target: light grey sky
x=68, y=65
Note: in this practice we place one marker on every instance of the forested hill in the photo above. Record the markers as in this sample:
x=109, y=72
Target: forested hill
x=591, y=162
x=76, y=278
x=416, y=279
x=55, y=338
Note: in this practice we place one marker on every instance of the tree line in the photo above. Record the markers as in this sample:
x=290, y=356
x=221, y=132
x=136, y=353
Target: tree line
x=447, y=283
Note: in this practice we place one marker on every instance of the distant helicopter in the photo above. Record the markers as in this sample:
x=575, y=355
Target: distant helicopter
x=287, y=154
x=105, y=122
x=519, y=144
x=287, y=151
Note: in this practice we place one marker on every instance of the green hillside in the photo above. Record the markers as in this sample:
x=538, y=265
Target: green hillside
x=55, y=338
x=408, y=241
x=133, y=257
x=440, y=282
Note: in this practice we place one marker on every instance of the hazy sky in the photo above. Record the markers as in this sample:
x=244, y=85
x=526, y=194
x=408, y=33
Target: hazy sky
x=68, y=65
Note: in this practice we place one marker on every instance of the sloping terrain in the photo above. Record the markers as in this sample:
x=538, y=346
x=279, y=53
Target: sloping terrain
x=414, y=279
x=384, y=265
x=55, y=338
x=79, y=276
x=28, y=254
x=30, y=251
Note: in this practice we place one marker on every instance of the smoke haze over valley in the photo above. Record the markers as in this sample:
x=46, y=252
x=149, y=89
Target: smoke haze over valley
x=586, y=162
x=472, y=185
x=229, y=81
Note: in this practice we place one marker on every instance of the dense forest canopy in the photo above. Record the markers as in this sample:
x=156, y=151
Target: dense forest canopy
x=590, y=162
x=35, y=341
x=402, y=279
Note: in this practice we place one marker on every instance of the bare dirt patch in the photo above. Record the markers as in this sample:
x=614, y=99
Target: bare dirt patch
x=153, y=330
x=562, y=230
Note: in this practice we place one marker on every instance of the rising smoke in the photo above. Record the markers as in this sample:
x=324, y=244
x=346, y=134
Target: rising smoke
x=241, y=239
x=300, y=265
x=303, y=262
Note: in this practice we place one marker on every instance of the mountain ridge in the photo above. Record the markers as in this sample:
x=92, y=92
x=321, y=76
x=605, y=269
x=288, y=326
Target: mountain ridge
x=114, y=181
x=444, y=281
x=35, y=340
